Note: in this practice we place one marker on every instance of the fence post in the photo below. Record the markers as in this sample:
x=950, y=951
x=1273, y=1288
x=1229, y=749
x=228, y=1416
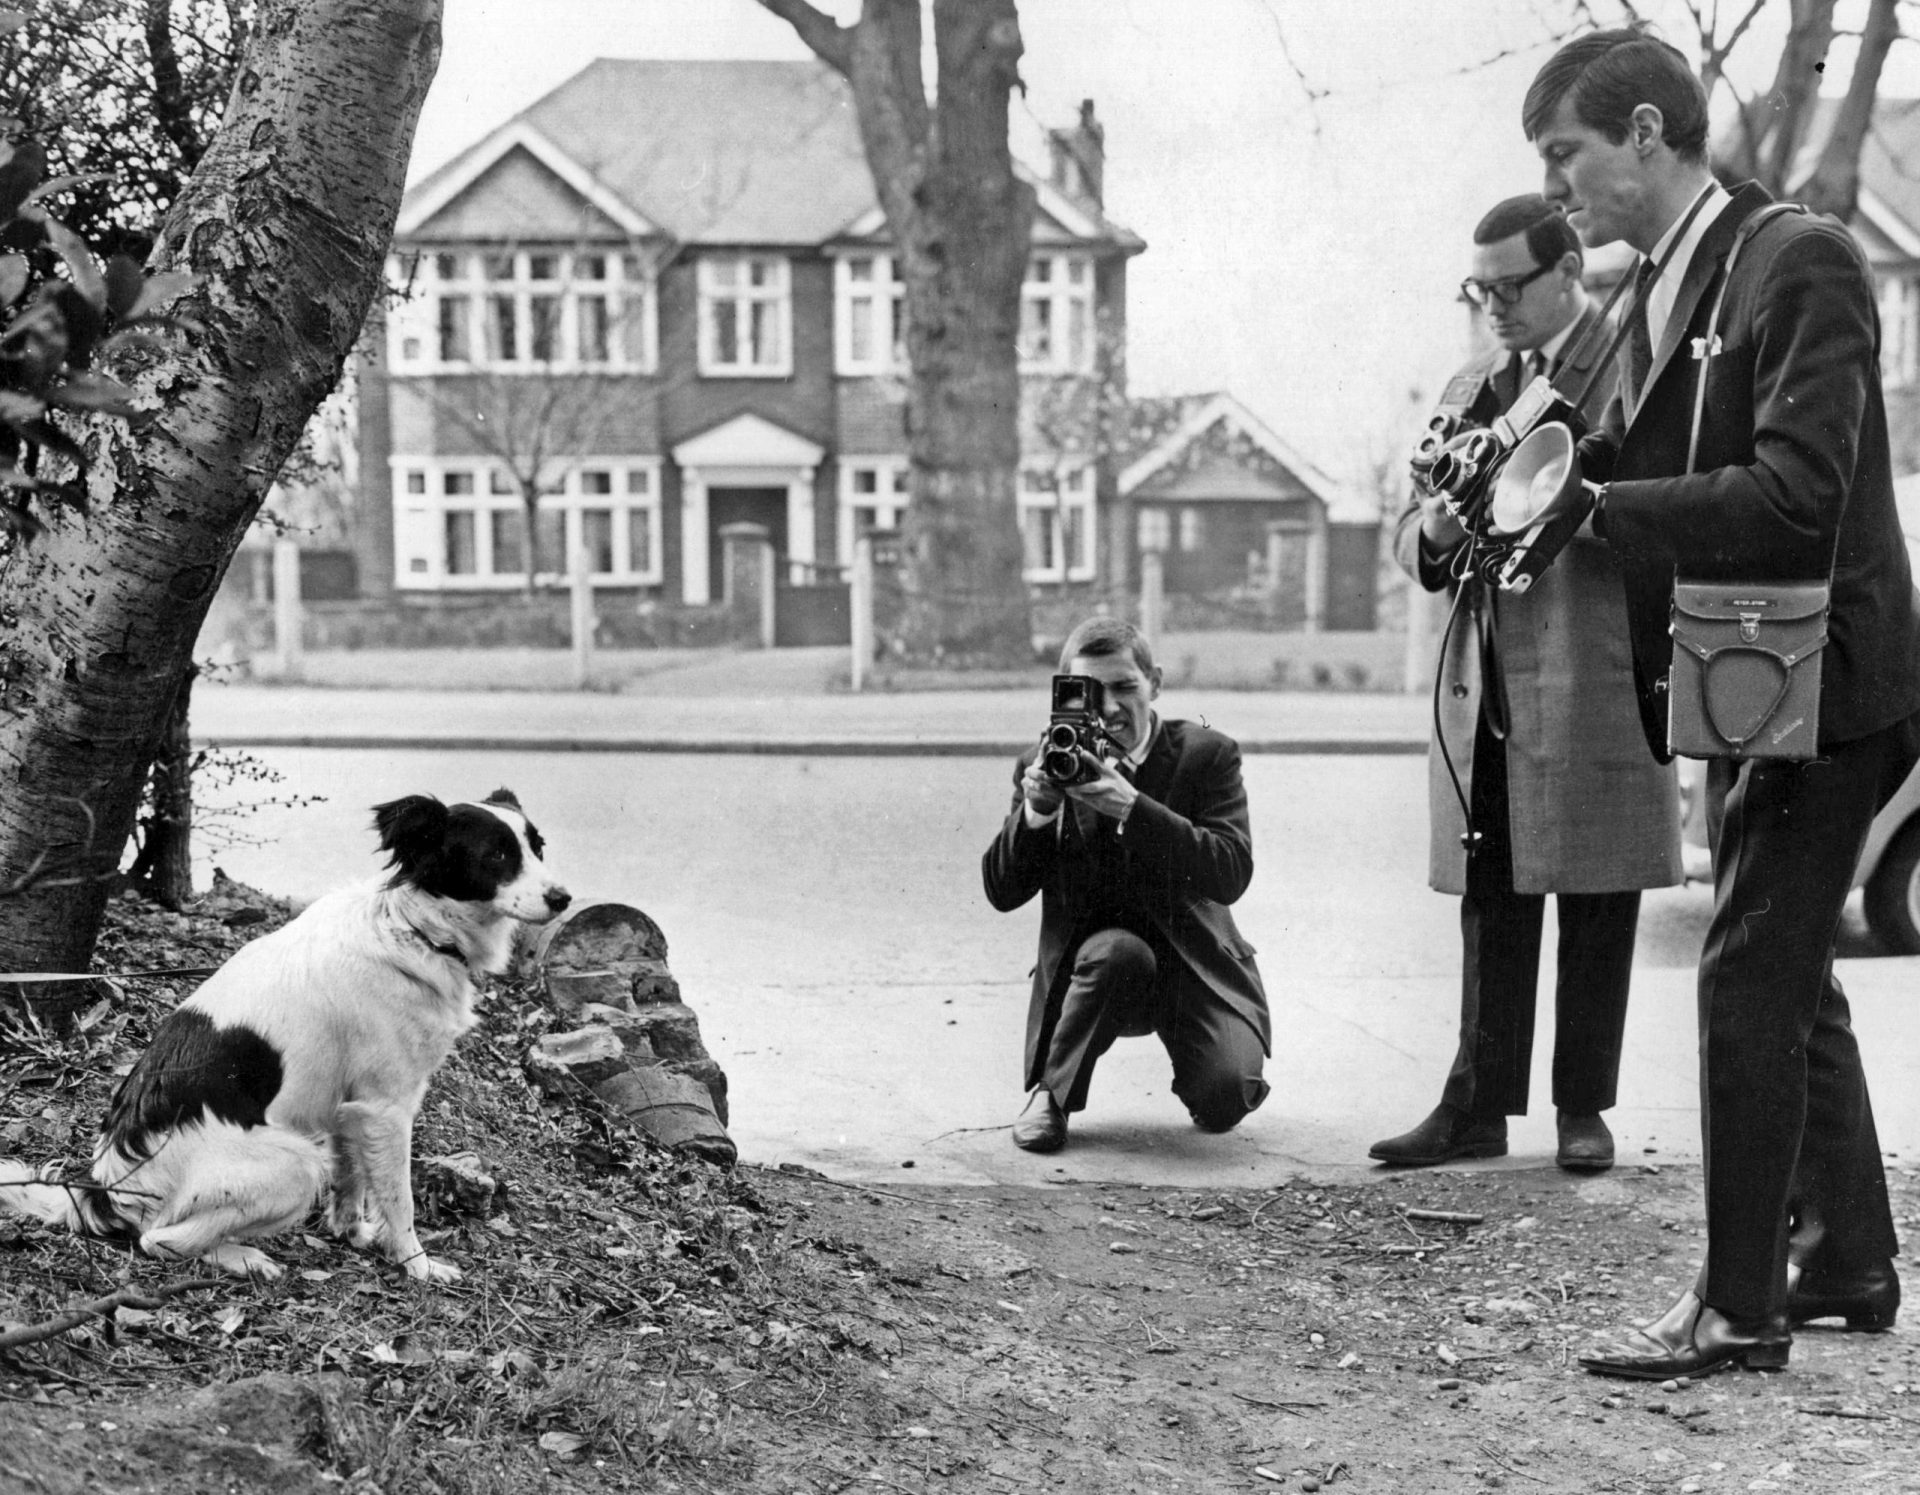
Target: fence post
x=287, y=641
x=748, y=575
x=1316, y=586
x=580, y=588
x=1153, y=593
x=860, y=610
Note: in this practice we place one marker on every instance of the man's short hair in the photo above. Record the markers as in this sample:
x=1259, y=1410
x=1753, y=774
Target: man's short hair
x=1098, y=637
x=1609, y=74
x=1549, y=235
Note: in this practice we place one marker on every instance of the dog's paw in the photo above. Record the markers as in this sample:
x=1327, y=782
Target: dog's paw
x=245, y=1261
x=362, y=1234
x=424, y=1268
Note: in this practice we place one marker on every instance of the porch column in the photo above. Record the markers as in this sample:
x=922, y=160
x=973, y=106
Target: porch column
x=693, y=536
x=800, y=546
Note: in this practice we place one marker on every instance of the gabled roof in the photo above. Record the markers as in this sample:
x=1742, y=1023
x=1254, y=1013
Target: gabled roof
x=1183, y=420
x=709, y=152
x=1889, y=202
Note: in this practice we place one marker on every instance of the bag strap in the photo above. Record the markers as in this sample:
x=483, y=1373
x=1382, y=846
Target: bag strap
x=1786, y=663
x=1712, y=342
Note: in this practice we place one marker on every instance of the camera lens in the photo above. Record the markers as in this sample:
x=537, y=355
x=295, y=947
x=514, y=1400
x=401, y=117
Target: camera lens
x=1063, y=737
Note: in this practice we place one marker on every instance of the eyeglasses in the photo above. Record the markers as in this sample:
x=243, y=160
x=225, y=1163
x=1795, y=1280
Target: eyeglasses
x=1486, y=293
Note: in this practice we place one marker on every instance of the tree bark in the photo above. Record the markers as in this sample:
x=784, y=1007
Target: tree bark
x=286, y=222
x=1773, y=124
x=1834, y=186
x=961, y=223
x=164, y=868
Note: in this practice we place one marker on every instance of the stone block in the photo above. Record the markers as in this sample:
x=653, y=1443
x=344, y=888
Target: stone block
x=586, y=1056
x=674, y=1110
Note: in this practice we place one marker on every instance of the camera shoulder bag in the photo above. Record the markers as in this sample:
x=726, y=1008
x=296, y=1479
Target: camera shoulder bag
x=1745, y=681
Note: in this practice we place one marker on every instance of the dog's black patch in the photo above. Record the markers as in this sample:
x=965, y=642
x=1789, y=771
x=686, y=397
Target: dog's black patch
x=193, y=1070
x=505, y=796
x=464, y=852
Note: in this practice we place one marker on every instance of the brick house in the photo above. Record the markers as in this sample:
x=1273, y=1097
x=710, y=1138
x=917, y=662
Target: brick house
x=684, y=262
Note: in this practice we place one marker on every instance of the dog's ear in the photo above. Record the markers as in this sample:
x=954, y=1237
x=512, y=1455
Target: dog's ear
x=410, y=827
x=503, y=796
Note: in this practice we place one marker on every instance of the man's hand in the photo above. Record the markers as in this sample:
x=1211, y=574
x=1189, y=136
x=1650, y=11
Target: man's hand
x=1044, y=797
x=1438, y=527
x=1107, y=792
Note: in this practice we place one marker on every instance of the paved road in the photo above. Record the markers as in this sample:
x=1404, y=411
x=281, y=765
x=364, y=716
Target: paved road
x=826, y=921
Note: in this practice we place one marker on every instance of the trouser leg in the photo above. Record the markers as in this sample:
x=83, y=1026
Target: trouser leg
x=1109, y=995
x=1786, y=1122
x=1217, y=1060
x=1500, y=956
x=1594, y=969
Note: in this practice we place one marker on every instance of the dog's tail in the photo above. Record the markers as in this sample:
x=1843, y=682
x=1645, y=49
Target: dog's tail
x=77, y=1204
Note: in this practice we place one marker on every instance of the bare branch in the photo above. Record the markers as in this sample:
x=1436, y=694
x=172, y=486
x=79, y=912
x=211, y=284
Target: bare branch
x=830, y=41
x=1313, y=95
x=126, y=1297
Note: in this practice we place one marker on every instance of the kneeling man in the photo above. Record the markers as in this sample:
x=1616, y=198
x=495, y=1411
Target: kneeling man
x=1135, y=864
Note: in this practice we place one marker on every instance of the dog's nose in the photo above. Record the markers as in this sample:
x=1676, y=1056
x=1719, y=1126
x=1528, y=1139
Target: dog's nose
x=558, y=898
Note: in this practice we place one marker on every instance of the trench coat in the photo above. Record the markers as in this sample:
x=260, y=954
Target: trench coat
x=1590, y=810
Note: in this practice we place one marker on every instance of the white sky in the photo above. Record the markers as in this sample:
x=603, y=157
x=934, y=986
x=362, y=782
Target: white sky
x=1303, y=255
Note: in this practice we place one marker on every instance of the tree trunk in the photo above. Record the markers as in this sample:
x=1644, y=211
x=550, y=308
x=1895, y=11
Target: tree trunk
x=1834, y=186
x=164, y=868
x=960, y=221
x=1773, y=124
x=286, y=222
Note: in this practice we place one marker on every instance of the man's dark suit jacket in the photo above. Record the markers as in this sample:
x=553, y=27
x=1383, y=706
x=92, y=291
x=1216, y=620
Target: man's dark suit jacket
x=1185, y=852
x=1793, y=480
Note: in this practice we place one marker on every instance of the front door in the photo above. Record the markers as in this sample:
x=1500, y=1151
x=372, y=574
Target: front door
x=766, y=506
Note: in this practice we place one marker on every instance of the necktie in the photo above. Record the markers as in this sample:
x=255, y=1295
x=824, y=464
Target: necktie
x=1536, y=366
x=1640, y=333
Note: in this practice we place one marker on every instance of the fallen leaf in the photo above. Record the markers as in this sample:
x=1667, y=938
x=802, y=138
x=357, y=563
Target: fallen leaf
x=565, y=1445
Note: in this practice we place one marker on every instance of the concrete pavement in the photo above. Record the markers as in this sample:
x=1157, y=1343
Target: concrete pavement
x=1363, y=1034
x=759, y=702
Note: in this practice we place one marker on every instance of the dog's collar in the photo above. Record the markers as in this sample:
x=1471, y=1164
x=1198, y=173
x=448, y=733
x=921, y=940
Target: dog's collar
x=452, y=952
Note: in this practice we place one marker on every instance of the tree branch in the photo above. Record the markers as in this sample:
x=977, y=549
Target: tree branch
x=126, y=1297
x=830, y=41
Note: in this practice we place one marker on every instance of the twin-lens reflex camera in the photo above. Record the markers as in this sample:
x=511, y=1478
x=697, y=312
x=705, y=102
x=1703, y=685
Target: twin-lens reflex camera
x=1076, y=724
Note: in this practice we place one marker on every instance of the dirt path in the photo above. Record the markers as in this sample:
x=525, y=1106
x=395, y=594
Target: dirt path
x=1123, y=1339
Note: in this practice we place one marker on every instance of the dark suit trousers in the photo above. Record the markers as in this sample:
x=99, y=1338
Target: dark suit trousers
x=1115, y=992
x=1788, y=1129
x=1500, y=938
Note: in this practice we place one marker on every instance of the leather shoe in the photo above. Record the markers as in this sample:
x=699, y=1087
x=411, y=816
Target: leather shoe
x=1867, y=1299
x=1694, y=1340
x=1446, y=1134
x=1042, y=1127
x=1586, y=1146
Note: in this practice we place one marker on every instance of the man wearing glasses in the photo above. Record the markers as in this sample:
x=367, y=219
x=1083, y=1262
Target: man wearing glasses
x=1535, y=716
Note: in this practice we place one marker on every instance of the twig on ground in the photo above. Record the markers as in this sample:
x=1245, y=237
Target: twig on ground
x=1487, y=1450
x=1445, y=1216
x=127, y=1297
x=821, y=1178
x=1296, y=1409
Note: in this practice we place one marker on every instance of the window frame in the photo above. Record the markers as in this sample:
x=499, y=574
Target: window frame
x=888, y=294
x=628, y=287
x=1061, y=293
x=1058, y=495
x=893, y=474
x=1898, y=298
x=424, y=520
x=708, y=293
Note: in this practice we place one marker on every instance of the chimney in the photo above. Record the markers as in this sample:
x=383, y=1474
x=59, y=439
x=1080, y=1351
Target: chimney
x=1079, y=156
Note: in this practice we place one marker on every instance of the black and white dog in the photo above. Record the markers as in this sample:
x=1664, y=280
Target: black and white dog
x=300, y=1064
